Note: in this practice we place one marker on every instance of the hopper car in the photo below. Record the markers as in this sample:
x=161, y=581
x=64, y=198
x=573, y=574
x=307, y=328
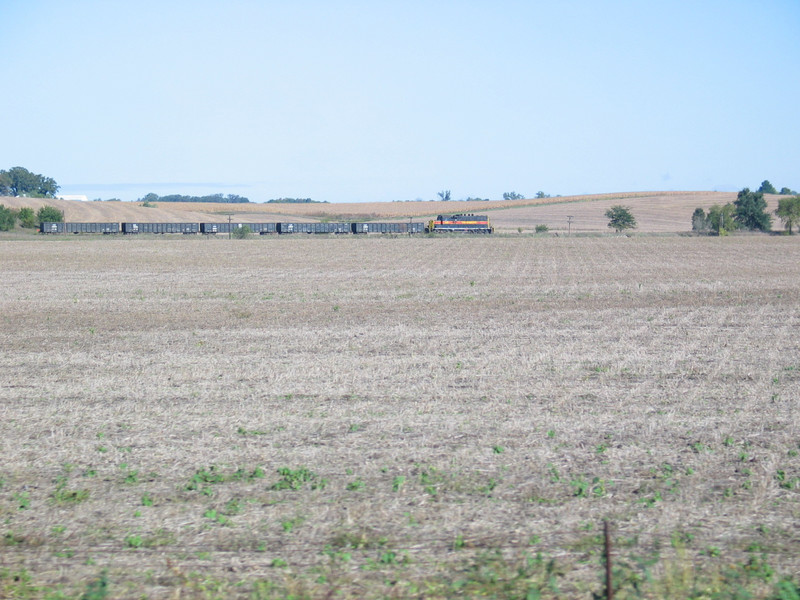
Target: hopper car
x=51, y=227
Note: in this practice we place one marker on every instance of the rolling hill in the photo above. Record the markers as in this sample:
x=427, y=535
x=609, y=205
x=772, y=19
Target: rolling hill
x=655, y=212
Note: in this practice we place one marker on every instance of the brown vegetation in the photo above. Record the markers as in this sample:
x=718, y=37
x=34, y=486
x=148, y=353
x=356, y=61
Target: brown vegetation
x=373, y=417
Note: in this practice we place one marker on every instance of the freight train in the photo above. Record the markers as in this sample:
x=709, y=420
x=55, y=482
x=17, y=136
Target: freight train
x=442, y=224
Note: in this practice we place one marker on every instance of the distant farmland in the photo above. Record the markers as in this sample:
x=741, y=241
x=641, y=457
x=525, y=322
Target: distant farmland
x=655, y=212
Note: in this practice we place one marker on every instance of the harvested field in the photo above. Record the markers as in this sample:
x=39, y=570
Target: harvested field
x=393, y=417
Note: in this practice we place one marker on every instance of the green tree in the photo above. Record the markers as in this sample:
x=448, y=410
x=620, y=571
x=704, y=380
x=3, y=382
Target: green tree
x=445, y=195
x=766, y=188
x=18, y=181
x=49, y=214
x=620, y=218
x=721, y=218
x=751, y=211
x=512, y=196
x=700, y=222
x=5, y=184
x=787, y=192
x=8, y=218
x=788, y=211
x=27, y=218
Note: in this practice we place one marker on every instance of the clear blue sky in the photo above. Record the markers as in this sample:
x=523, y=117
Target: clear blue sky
x=381, y=100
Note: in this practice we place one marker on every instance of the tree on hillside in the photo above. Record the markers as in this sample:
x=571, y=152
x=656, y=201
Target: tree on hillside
x=721, y=218
x=785, y=191
x=18, y=181
x=788, y=211
x=445, y=195
x=5, y=184
x=620, y=218
x=700, y=222
x=27, y=218
x=766, y=188
x=512, y=196
x=751, y=211
x=8, y=217
x=49, y=214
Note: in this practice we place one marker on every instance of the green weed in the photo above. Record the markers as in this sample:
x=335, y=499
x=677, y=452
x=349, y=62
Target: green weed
x=62, y=495
x=295, y=479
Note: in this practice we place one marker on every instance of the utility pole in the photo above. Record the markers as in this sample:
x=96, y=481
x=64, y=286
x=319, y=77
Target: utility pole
x=569, y=224
x=229, y=227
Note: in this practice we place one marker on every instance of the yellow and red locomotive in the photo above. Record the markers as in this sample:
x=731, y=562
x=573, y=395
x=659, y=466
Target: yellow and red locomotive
x=467, y=223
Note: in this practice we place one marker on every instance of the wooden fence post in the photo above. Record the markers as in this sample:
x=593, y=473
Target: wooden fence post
x=609, y=582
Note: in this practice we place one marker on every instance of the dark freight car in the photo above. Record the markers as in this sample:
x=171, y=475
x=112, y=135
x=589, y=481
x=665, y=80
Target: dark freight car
x=330, y=227
x=50, y=227
x=262, y=228
x=105, y=228
x=184, y=228
x=397, y=227
x=284, y=228
x=259, y=228
x=214, y=228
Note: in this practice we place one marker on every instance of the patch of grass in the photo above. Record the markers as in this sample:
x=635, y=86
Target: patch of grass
x=288, y=525
x=243, y=431
x=295, y=479
x=62, y=495
x=22, y=500
x=209, y=476
x=217, y=517
x=356, y=485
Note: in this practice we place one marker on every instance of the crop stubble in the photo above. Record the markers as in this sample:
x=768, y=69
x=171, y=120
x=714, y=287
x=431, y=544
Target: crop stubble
x=497, y=376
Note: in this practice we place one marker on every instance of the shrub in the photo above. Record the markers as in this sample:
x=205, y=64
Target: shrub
x=49, y=214
x=720, y=218
x=8, y=218
x=242, y=232
x=542, y=229
x=27, y=218
x=700, y=221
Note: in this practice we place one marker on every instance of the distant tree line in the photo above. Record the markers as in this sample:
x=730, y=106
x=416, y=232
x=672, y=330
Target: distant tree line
x=218, y=198
x=296, y=201
x=513, y=196
x=18, y=181
x=748, y=212
x=767, y=188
